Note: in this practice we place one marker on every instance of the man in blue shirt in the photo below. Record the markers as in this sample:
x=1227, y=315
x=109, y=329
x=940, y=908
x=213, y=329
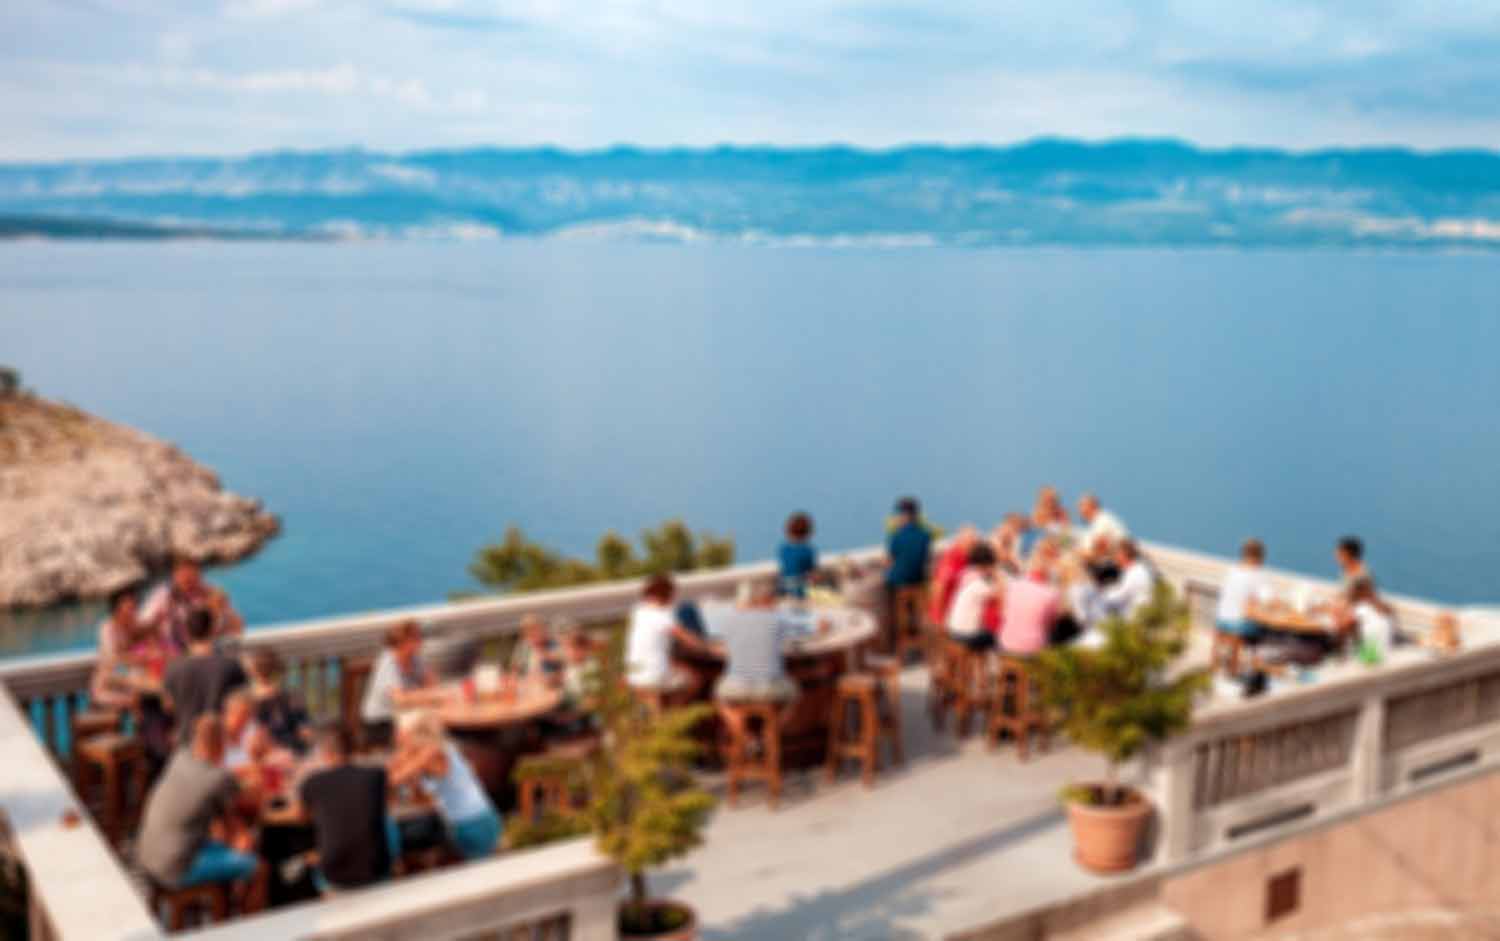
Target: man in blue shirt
x=908, y=550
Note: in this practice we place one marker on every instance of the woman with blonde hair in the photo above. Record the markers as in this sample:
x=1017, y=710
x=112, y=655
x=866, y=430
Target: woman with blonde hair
x=425, y=755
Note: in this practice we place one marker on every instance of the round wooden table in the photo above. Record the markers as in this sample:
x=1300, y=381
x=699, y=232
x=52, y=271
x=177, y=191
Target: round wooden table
x=494, y=731
x=814, y=663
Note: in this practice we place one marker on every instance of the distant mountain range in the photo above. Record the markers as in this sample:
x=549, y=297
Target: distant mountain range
x=1062, y=192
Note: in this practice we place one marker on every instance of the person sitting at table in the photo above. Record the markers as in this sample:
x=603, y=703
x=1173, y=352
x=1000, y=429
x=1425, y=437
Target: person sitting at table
x=1349, y=555
x=1032, y=608
x=797, y=558
x=1133, y=590
x=754, y=637
x=1245, y=584
x=949, y=569
x=197, y=683
x=424, y=755
x=356, y=839
x=279, y=711
x=189, y=835
x=1102, y=531
x=399, y=680
x=580, y=667
x=979, y=589
x=653, y=629
x=169, y=607
x=1006, y=540
x=122, y=648
x=1374, y=619
x=1049, y=517
x=536, y=653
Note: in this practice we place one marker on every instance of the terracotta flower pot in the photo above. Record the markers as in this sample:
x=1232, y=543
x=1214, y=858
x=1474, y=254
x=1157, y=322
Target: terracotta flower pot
x=686, y=928
x=1108, y=838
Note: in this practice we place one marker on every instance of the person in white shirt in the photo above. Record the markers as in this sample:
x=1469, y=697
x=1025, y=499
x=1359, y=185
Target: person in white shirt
x=1135, y=587
x=1374, y=620
x=1102, y=530
x=653, y=628
x=1245, y=585
x=399, y=680
x=977, y=591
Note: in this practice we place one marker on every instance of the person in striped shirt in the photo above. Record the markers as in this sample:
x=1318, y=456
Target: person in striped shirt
x=754, y=637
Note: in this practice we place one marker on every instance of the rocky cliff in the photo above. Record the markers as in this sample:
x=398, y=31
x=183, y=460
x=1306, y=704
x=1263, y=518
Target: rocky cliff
x=88, y=506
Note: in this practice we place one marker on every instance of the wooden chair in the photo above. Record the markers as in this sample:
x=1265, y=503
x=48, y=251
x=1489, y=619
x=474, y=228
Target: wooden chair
x=761, y=720
x=908, y=622
x=354, y=677
x=120, y=762
x=211, y=899
x=1017, y=707
x=862, y=692
x=887, y=670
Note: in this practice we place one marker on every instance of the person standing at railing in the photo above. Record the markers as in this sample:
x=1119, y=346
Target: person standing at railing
x=400, y=680
x=171, y=604
x=797, y=557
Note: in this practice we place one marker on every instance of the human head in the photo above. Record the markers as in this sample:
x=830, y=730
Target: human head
x=187, y=576
x=659, y=589
x=200, y=626
x=266, y=666
x=577, y=645
x=533, y=631
x=420, y=728
x=1253, y=552
x=123, y=605
x=208, y=739
x=1349, y=552
x=335, y=744
x=1088, y=507
x=1127, y=552
x=908, y=509
x=404, y=640
x=799, y=527
x=966, y=536
x=238, y=706
x=982, y=556
x=1048, y=504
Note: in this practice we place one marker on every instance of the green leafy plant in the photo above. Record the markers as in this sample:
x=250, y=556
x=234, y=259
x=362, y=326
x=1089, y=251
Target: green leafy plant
x=1117, y=699
x=642, y=803
x=517, y=563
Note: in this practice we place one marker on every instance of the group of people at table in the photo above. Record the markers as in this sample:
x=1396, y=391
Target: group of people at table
x=231, y=750
x=232, y=753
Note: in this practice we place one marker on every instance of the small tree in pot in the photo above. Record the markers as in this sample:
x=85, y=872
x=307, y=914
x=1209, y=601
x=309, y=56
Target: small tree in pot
x=643, y=805
x=1115, y=700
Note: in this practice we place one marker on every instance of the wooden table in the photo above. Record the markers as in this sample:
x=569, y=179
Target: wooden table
x=814, y=663
x=1281, y=617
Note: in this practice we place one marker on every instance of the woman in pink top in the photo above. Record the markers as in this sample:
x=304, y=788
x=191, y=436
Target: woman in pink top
x=1031, y=607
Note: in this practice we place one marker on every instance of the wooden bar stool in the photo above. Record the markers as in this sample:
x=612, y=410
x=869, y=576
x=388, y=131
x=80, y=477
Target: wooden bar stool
x=968, y=688
x=887, y=670
x=120, y=762
x=1017, y=707
x=906, y=617
x=546, y=782
x=755, y=755
x=83, y=725
x=210, y=899
x=861, y=691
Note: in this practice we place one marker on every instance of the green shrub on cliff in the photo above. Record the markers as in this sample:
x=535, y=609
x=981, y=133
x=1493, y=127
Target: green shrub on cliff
x=517, y=563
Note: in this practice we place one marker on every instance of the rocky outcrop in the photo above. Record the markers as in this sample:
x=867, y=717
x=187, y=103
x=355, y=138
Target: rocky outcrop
x=88, y=506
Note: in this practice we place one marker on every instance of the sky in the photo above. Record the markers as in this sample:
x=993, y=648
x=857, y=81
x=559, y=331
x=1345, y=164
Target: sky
x=102, y=78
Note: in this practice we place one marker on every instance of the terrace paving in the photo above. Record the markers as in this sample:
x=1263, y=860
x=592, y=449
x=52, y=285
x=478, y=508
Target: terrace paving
x=962, y=837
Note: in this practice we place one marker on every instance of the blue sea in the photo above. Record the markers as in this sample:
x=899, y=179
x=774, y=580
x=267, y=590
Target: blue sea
x=399, y=404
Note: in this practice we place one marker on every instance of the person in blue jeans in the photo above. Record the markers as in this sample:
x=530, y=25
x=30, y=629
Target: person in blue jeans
x=425, y=755
x=797, y=556
x=178, y=847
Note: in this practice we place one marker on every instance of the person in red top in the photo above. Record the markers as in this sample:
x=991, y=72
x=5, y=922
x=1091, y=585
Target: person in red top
x=950, y=567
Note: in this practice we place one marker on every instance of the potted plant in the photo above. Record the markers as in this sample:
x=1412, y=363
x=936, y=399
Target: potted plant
x=641, y=801
x=1117, y=699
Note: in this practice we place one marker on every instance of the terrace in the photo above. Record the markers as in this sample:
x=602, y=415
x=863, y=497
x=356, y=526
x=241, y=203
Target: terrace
x=962, y=842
